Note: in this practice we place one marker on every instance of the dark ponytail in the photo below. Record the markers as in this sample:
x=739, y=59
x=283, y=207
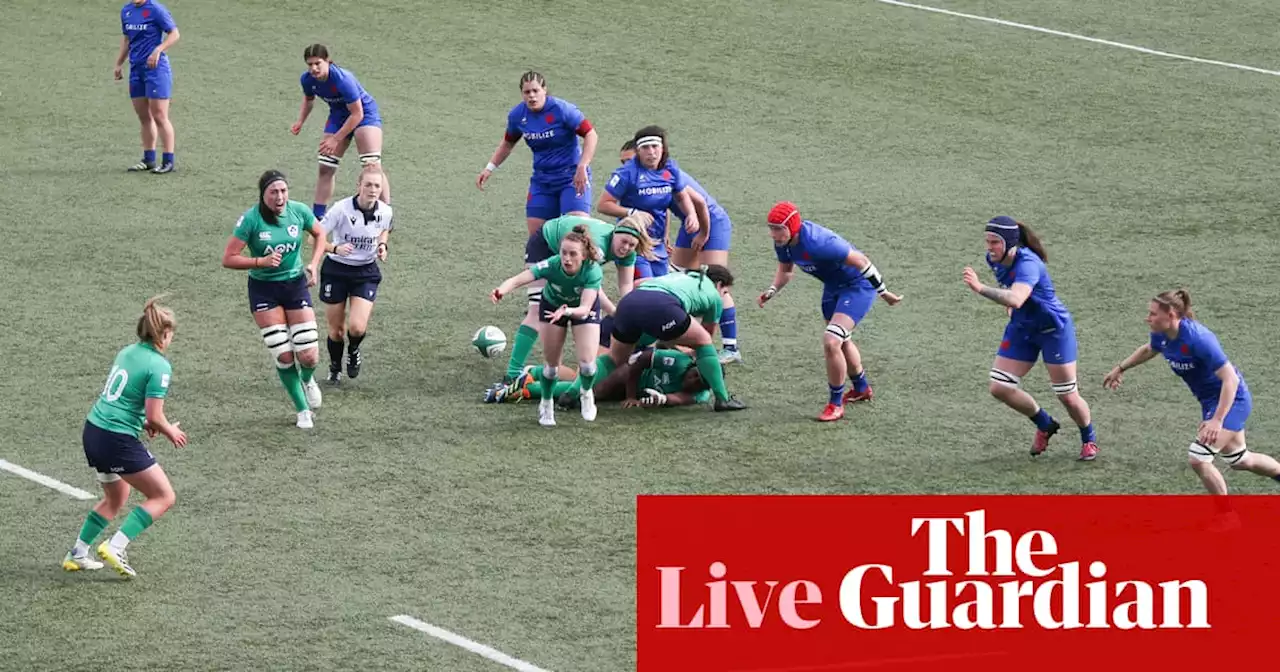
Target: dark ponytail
x=717, y=273
x=1028, y=238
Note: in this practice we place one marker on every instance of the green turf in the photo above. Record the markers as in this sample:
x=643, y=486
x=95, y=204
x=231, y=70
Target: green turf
x=901, y=129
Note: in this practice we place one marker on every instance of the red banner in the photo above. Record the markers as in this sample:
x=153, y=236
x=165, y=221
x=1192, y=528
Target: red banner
x=898, y=583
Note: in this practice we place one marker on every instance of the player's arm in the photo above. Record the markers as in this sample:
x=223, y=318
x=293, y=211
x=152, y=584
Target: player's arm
x=1230, y=384
x=123, y=54
x=869, y=271
x=170, y=39
x=695, y=215
x=635, y=372
x=626, y=281
x=355, y=115
x=1012, y=298
x=1143, y=354
x=609, y=205
x=308, y=102
x=782, y=276
x=584, y=305
x=381, y=248
x=704, y=215
x=512, y=283
x=319, y=244
x=508, y=143
x=589, y=141
x=157, y=422
x=232, y=256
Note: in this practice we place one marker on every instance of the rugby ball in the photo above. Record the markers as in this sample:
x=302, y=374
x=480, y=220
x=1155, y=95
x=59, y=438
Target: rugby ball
x=489, y=341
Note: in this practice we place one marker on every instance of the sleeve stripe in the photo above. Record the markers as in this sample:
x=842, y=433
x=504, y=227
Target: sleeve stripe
x=511, y=137
x=585, y=127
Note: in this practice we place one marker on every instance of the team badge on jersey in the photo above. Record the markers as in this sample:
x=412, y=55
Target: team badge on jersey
x=293, y=230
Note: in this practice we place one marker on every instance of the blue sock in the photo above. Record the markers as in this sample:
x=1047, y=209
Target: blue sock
x=168, y=157
x=729, y=328
x=837, y=394
x=149, y=156
x=318, y=209
x=1043, y=420
x=860, y=381
x=1087, y=435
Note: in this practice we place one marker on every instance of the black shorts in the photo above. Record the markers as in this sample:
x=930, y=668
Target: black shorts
x=114, y=453
x=653, y=313
x=536, y=248
x=545, y=308
x=339, y=281
x=288, y=294
x=606, y=330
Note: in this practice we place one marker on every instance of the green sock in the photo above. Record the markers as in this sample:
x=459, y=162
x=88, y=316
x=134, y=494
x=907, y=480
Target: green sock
x=588, y=381
x=604, y=367
x=526, y=337
x=293, y=385
x=546, y=385
x=308, y=372
x=93, y=526
x=709, y=368
x=558, y=389
x=137, y=521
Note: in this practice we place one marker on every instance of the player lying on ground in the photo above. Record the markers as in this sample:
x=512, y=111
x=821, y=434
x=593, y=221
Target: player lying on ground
x=654, y=378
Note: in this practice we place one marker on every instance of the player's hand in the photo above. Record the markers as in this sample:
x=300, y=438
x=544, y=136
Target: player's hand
x=118, y=73
x=1112, y=380
x=177, y=436
x=149, y=429
x=273, y=259
x=344, y=249
x=154, y=59
x=971, y=279
x=329, y=145
x=1209, y=430
x=699, y=241
x=496, y=295
x=691, y=225
x=631, y=403
x=653, y=397
x=891, y=298
x=312, y=275
x=580, y=180
x=382, y=251
x=483, y=179
x=296, y=128
x=558, y=313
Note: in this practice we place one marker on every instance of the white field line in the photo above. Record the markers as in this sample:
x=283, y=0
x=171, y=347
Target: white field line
x=46, y=481
x=1086, y=38
x=472, y=646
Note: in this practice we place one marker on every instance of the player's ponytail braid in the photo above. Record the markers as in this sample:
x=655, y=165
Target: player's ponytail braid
x=1177, y=300
x=156, y=321
x=580, y=236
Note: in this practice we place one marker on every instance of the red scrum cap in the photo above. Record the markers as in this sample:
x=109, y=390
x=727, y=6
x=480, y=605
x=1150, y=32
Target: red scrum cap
x=785, y=213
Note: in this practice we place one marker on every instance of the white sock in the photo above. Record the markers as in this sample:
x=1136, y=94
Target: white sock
x=80, y=549
x=119, y=541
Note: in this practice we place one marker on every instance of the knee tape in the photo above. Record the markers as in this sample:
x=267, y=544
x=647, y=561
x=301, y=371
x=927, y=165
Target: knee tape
x=1236, y=460
x=304, y=336
x=550, y=372
x=1200, y=452
x=1063, y=389
x=1005, y=378
x=371, y=159
x=587, y=368
x=329, y=160
x=108, y=478
x=535, y=296
x=276, y=338
x=839, y=332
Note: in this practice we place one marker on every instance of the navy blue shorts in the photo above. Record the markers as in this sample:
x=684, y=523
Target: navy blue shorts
x=606, y=331
x=649, y=313
x=545, y=308
x=339, y=281
x=536, y=248
x=114, y=453
x=288, y=294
